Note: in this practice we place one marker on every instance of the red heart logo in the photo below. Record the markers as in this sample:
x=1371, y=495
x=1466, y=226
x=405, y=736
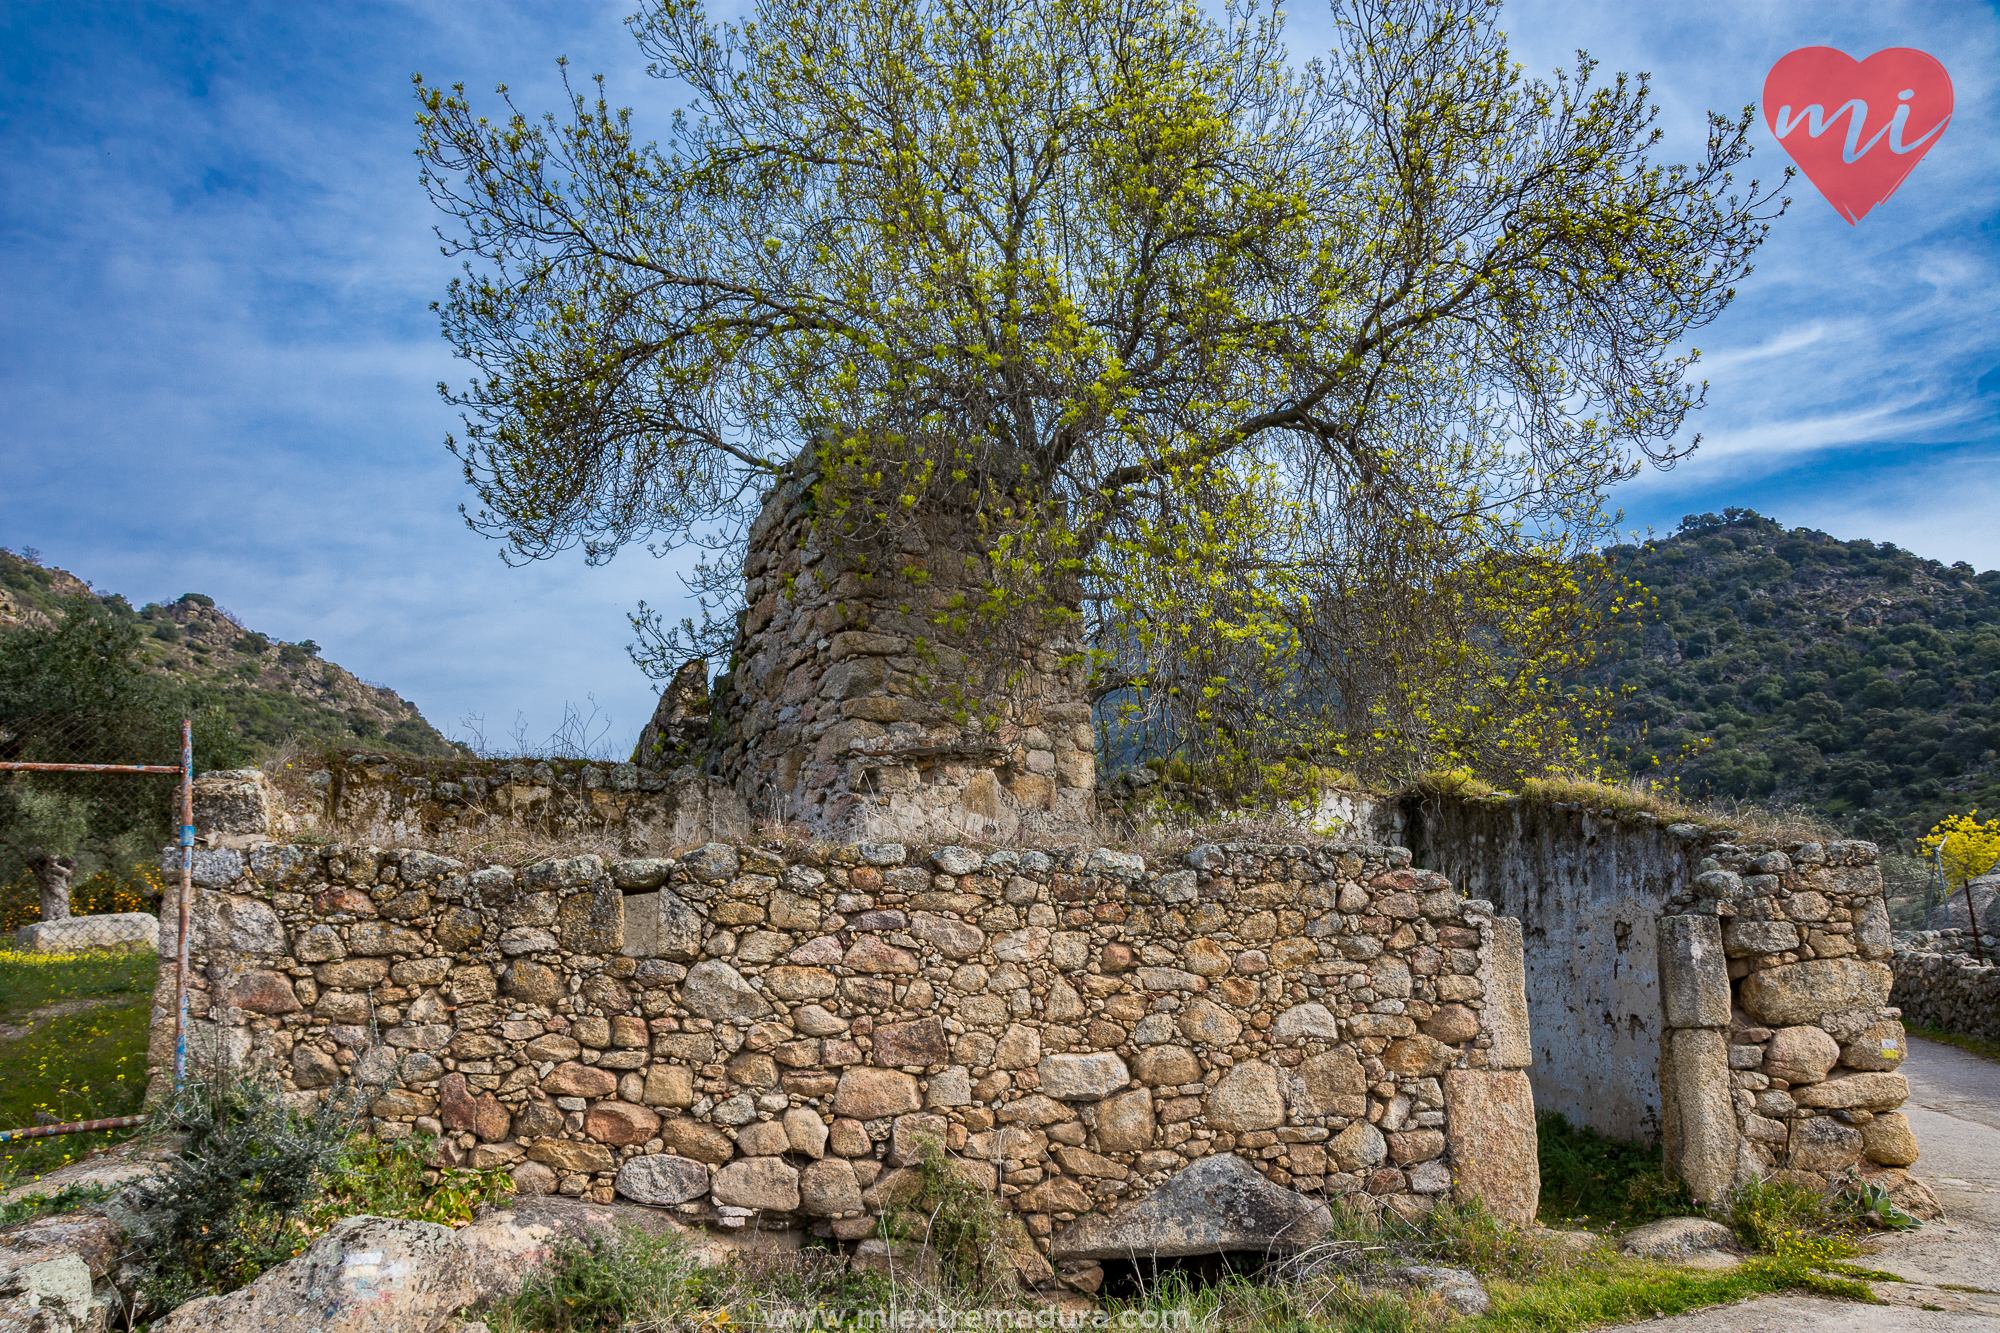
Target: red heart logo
x=1857, y=127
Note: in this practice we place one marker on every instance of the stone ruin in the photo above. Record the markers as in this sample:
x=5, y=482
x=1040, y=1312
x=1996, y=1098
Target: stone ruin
x=857, y=702
x=1202, y=1054
x=769, y=1035
x=1729, y=996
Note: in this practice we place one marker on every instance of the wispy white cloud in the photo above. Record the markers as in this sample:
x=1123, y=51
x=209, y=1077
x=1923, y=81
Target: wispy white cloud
x=1718, y=365
x=1752, y=450
x=1948, y=509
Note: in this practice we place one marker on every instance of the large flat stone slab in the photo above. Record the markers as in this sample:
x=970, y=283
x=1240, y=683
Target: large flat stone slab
x=1490, y=1127
x=113, y=932
x=510, y=1241
x=1801, y=992
x=1218, y=1204
x=366, y=1275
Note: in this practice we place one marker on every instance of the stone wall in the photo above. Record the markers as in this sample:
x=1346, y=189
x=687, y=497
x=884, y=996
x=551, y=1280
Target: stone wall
x=1729, y=996
x=1671, y=981
x=1802, y=936
x=405, y=799
x=1941, y=984
x=772, y=1031
x=863, y=699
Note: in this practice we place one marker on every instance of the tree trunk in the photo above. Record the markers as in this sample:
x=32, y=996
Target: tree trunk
x=851, y=706
x=54, y=872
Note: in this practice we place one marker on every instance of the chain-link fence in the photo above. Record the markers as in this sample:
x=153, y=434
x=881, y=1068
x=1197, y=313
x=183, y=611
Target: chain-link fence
x=81, y=824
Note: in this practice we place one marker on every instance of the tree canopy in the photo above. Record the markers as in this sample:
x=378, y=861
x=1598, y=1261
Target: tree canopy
x=1298, y=385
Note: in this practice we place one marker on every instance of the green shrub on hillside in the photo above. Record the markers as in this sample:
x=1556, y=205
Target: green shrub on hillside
x=1784, y=666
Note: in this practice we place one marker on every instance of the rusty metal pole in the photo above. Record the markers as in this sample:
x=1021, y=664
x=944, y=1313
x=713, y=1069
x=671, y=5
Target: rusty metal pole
x=11, y=767
x=187, y=889
x=74, y=1127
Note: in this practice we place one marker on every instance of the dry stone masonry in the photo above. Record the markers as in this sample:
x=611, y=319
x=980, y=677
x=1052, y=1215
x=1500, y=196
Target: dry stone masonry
x=854, y=696
x=1729, y=996
x=1777, y=971
x=403, y=799
x=1940, y=982
x=1206, y=1053
x=775, y=1032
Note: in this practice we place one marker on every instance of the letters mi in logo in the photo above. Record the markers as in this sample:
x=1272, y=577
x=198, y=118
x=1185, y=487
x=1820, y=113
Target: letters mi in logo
x=1857, y=127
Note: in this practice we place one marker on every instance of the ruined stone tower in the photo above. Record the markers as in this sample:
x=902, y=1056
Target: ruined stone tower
x=855, y=700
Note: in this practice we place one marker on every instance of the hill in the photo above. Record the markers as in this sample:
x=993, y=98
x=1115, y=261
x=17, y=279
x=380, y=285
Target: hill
x=1790, y=667
x=271, y=690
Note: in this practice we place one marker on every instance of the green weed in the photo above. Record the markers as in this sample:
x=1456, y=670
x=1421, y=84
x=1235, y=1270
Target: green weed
x=1463, y=1234
x=639, y=1282
x=65, y=1200
x=1590, y=1177
x=1319, y=1302
x=1614, y=1290
x=965, y=1228
x=394, y=1178
x=636, y=1283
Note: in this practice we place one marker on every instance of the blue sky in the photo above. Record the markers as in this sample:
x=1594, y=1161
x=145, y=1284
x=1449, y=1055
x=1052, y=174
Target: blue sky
x=217, y=361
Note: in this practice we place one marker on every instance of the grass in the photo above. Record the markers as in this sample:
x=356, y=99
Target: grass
x=1614, y=1290
x=30, y=981
x=1640, y=796
x=393, y=1179
x=89, y=1065
x=1329, y=1300
x=1354, y=1282
x=1589, y=1178
x=1979, y=1046
x=1535, y=1285
x=640, y=1282
x=1801, y=1241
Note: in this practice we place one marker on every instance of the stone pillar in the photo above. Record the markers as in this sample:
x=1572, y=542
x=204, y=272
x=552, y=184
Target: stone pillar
x=1698, y=1113
x=1694, y=972
x=1490, y=1112
x=237, y=808
x=1490, y=1129
x=863, y=699
x=1503, y=977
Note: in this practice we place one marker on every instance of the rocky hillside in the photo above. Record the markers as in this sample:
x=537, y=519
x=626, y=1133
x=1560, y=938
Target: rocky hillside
x=1791, y=667
x=272, y=690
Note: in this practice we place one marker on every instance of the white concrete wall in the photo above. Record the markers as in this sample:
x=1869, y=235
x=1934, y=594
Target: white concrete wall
x=1589, y=894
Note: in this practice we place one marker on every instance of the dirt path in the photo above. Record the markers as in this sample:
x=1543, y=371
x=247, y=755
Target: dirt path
x=15, y=1031
x=1954, y=1108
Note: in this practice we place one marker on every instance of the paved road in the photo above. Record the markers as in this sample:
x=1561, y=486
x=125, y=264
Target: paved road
x=1954, y=1108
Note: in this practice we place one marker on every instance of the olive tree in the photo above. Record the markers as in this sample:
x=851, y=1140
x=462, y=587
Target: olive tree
x=1289, y=390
